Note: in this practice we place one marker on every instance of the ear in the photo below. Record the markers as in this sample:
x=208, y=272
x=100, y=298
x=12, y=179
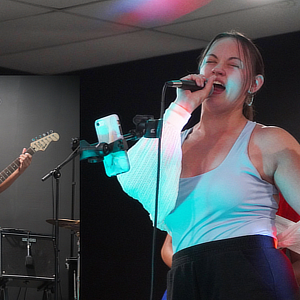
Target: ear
x=257, y=84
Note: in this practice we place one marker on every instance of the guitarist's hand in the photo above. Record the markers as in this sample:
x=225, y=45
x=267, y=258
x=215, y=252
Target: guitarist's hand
x=19, y=165
x=25, y=161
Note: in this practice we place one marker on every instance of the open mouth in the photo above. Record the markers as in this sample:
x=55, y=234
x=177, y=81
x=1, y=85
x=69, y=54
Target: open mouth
x=218, y=86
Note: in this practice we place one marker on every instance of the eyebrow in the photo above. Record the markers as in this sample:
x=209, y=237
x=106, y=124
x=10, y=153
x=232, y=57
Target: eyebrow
x=230, y=58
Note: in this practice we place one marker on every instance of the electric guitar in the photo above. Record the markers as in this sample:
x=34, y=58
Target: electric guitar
x=38, y=144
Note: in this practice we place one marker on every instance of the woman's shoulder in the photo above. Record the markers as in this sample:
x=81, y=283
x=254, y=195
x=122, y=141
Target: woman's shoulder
x=272, y=136
x=267, y=130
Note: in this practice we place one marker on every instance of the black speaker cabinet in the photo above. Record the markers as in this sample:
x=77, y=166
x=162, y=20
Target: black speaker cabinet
x=27, y=259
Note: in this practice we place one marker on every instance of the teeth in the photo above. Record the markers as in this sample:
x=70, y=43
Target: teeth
x=218, y=82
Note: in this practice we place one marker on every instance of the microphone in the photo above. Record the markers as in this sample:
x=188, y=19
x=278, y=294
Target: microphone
x=186, y=85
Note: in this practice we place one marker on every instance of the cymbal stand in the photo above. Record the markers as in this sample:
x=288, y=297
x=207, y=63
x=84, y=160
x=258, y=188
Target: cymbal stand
x=76, y=273
x=74, y=146
x=78, y=266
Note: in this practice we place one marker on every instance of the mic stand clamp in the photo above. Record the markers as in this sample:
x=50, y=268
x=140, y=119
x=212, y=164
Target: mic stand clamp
x=153, y=128
x=96, y=152
x=56, y=173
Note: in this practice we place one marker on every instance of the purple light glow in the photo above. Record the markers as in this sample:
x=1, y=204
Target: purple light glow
x=155, y=11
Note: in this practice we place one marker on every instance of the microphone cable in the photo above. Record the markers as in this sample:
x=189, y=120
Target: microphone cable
x=154, y=236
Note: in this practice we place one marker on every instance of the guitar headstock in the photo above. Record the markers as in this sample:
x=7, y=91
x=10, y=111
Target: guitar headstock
x=41, y=143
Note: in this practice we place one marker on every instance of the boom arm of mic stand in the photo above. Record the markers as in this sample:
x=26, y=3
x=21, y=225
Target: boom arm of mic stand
x=56, y=171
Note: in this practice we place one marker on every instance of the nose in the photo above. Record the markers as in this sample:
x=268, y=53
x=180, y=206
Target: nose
x=218, y=70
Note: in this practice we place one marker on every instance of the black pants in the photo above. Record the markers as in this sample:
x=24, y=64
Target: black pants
x=243, y=268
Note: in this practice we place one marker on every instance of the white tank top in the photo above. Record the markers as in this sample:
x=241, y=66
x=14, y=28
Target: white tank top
x=229, y=201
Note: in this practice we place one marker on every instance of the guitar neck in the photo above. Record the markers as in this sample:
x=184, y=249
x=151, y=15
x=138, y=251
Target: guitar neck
x=12, y=167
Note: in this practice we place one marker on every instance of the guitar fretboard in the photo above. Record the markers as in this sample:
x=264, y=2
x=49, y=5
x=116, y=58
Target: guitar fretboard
x=12, y=167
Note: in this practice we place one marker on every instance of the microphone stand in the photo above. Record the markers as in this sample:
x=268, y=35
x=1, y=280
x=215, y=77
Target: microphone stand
x=55, y=173
x=145, y=126
x=97, y=152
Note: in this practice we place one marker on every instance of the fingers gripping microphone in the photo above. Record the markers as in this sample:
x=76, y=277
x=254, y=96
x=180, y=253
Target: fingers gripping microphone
x=187, y=85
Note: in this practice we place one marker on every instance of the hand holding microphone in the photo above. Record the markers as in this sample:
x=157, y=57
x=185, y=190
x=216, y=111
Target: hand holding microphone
x=190, y=85
x=194, y=83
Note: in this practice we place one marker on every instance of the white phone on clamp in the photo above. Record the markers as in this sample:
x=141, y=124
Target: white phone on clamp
x=108, y=131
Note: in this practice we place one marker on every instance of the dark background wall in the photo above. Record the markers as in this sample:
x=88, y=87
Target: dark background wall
x=29, y=107
x=116, y=231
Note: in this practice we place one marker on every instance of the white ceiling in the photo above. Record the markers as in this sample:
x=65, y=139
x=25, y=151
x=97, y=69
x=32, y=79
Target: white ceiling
x=57, y=36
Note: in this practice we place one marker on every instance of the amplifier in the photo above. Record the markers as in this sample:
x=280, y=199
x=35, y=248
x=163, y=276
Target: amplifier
x=27, y=259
